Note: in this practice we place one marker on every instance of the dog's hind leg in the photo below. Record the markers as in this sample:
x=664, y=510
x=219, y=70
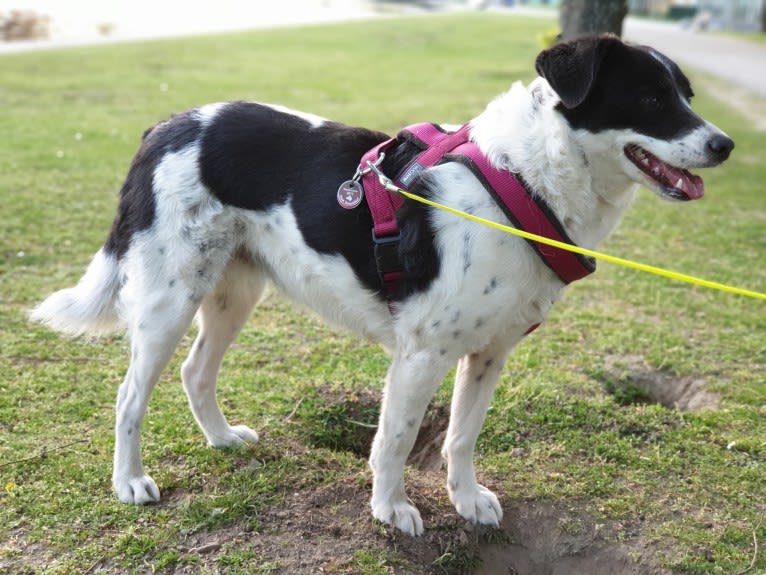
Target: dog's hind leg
x=221, y=316
x=157, y=325
x=475, y=382
x=166, y=280
x=411, y=382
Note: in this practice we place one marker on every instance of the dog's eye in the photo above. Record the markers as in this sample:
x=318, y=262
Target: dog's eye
x=653, y=102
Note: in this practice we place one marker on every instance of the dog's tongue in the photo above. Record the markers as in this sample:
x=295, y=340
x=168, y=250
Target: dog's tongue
x=682, y=180
x=676, y=182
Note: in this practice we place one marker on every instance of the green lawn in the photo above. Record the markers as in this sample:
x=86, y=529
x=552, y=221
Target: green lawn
x=682, y=491
x=757, y=37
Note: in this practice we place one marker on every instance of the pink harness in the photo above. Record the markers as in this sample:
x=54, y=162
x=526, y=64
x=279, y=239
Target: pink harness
x=524, y=210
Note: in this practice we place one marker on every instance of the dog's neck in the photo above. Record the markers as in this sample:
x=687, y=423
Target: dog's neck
x=521, y=131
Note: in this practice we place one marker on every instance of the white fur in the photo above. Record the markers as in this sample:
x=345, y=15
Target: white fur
x=555, y=160
x=314, y=120
x=685, y=152
x=89, y=307
x=201, y=256
x=208, y=112
x=324, y=283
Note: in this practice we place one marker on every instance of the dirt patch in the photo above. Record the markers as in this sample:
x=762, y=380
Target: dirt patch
x=630, y=379
x=547, y=539
x=426, y=455
x=325, y=531
x=344, y=421
x=330, y=530
x=21, y=557
x=333, y=525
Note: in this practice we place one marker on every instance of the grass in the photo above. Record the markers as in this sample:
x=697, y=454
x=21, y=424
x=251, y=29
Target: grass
x=690, y=483
x=756, y=37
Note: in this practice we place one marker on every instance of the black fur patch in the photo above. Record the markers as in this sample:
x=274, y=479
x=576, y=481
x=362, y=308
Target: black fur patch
x=136, y=208
x=631, y=87
x=255, y=157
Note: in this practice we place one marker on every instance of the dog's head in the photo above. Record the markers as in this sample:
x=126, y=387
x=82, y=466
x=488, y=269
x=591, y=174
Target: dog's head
x=641, y=99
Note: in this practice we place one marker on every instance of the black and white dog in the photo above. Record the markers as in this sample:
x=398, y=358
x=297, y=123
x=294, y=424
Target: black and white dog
x=224, y=199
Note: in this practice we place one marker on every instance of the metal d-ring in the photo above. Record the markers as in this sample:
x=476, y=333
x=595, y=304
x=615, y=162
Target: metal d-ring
x=370, y=167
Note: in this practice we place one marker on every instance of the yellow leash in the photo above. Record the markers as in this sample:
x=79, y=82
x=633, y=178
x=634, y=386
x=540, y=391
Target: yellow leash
x=391, y=187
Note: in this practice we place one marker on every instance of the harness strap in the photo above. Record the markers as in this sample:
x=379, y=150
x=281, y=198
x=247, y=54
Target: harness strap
x=527, y=212
x=524, y=210
x=382, y=203
x=383, y=206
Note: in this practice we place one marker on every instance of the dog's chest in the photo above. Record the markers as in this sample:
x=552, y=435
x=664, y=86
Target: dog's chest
x=491, y=286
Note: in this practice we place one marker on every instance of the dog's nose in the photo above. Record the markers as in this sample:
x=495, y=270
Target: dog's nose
x=720, y=147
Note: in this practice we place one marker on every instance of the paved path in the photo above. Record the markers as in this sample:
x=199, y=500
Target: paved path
x=739, y=61
x=76, y=22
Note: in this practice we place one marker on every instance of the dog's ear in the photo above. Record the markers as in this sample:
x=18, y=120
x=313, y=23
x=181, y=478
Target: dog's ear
x=571, y=68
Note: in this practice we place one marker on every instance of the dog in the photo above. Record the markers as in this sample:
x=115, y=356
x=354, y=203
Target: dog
x=225, y=199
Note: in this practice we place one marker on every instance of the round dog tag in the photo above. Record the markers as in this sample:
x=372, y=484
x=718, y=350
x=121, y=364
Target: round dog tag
x=350, y=194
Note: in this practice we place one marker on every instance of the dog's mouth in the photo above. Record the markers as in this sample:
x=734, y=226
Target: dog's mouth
x=671, y=182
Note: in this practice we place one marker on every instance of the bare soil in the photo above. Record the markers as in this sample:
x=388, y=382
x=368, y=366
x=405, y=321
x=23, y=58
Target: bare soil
x=631, y=375
x=321, y=531
x=548, y=539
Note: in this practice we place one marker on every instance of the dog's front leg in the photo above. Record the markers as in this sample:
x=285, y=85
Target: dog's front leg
x=475, y=382
x=412, y=380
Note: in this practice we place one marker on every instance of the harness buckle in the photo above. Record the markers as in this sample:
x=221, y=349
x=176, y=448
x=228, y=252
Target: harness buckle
x=387, y=254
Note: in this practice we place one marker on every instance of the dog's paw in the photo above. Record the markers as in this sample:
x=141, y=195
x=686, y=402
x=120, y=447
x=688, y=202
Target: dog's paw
x=478, y=505
x=233, y=436
x=404, y=516
x=137, y=490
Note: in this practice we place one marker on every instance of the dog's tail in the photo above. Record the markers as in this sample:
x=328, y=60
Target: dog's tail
x=89, y=307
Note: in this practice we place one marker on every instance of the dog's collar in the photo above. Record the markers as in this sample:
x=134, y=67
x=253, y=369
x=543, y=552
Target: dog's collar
x=525, y=210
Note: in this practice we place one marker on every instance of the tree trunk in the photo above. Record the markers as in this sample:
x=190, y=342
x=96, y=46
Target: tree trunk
x=583, y=17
